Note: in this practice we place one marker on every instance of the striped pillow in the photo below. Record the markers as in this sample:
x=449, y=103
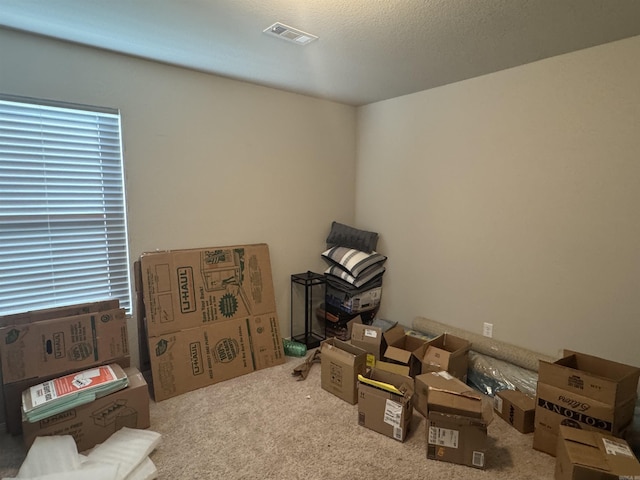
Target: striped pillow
x=353, y=261
x=365, y=276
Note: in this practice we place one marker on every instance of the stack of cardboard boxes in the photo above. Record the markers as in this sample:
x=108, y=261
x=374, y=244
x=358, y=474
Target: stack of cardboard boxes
x=39, y=346
x=584, y=392
x=583, y=405
x=403, y=372
x=208, y=315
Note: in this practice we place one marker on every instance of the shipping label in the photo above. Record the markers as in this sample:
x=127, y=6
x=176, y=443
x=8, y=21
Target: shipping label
x=445, y=437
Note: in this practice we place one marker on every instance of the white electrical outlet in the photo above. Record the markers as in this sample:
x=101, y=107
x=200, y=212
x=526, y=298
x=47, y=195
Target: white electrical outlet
x=487, y=330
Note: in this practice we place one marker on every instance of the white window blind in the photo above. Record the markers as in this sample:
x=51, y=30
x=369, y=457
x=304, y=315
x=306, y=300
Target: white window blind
x=63, y=236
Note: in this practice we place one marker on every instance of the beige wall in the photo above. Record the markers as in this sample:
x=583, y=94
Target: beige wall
x=510, y=198
x=208, y=161
x=514, y=199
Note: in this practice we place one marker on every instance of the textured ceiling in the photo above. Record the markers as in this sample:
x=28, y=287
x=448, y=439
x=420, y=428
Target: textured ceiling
x=369, y=50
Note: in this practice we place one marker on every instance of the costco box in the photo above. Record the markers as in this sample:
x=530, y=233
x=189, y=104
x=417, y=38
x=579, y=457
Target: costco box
x=13, y=393
x=458, y=418
x=517, y=408
x=447, y=352
x=353, y=302
x=374, y=340
x=589, y=455
x=583, y=391
x=58, y=345
x=93, y=423
x=341, y=363
x=387, y=406
x=407, y=352
x=184, y=289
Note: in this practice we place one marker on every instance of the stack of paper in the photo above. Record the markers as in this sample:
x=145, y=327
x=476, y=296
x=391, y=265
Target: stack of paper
x=64, y=393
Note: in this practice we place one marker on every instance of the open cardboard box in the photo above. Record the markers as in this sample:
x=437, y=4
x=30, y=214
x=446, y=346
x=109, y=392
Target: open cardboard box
x=584, y=391
x=458, y=418
x=447, y=352
x=386, y=410
x=405, y=352
x=374, y=340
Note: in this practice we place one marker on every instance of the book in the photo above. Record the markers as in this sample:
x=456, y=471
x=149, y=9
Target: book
x=69, y=391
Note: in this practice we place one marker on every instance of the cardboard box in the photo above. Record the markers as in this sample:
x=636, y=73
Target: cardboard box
x=341, y=363
x=94, y=422
x=13, y=393
x=593, y=377
x=265, y=341
x=555, y=407
x=384, y=411
x=342, y=329
x=374, y=340
x=447, y=352
x=517, y=408
x=59, y=312
x=407, y=352
x=45, y=314
x=185, y=289
x=189, y=359
x=588, y=455
x=457, y=439
x=458, y=418
x=443, y=383
x=353, y=303
x=54, y=346
x=210, y=315
x=583, y=391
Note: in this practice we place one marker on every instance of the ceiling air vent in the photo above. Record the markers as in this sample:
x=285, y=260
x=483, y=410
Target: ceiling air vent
x=290, y=34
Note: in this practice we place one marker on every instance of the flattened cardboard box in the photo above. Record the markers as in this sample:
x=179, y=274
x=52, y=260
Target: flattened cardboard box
x=447, y=352
x=517, y=408
x=189, y=288
x=59, y=312
x=383, y=411
x=94, y=422
x=340, y=364
x=583, y=391
x=585, y=455
x=13, y=393
x=55, y=346
x=194, y=358
x=266, y=343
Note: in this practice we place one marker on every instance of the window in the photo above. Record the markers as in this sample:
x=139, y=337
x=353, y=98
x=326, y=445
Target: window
x=63, y=236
